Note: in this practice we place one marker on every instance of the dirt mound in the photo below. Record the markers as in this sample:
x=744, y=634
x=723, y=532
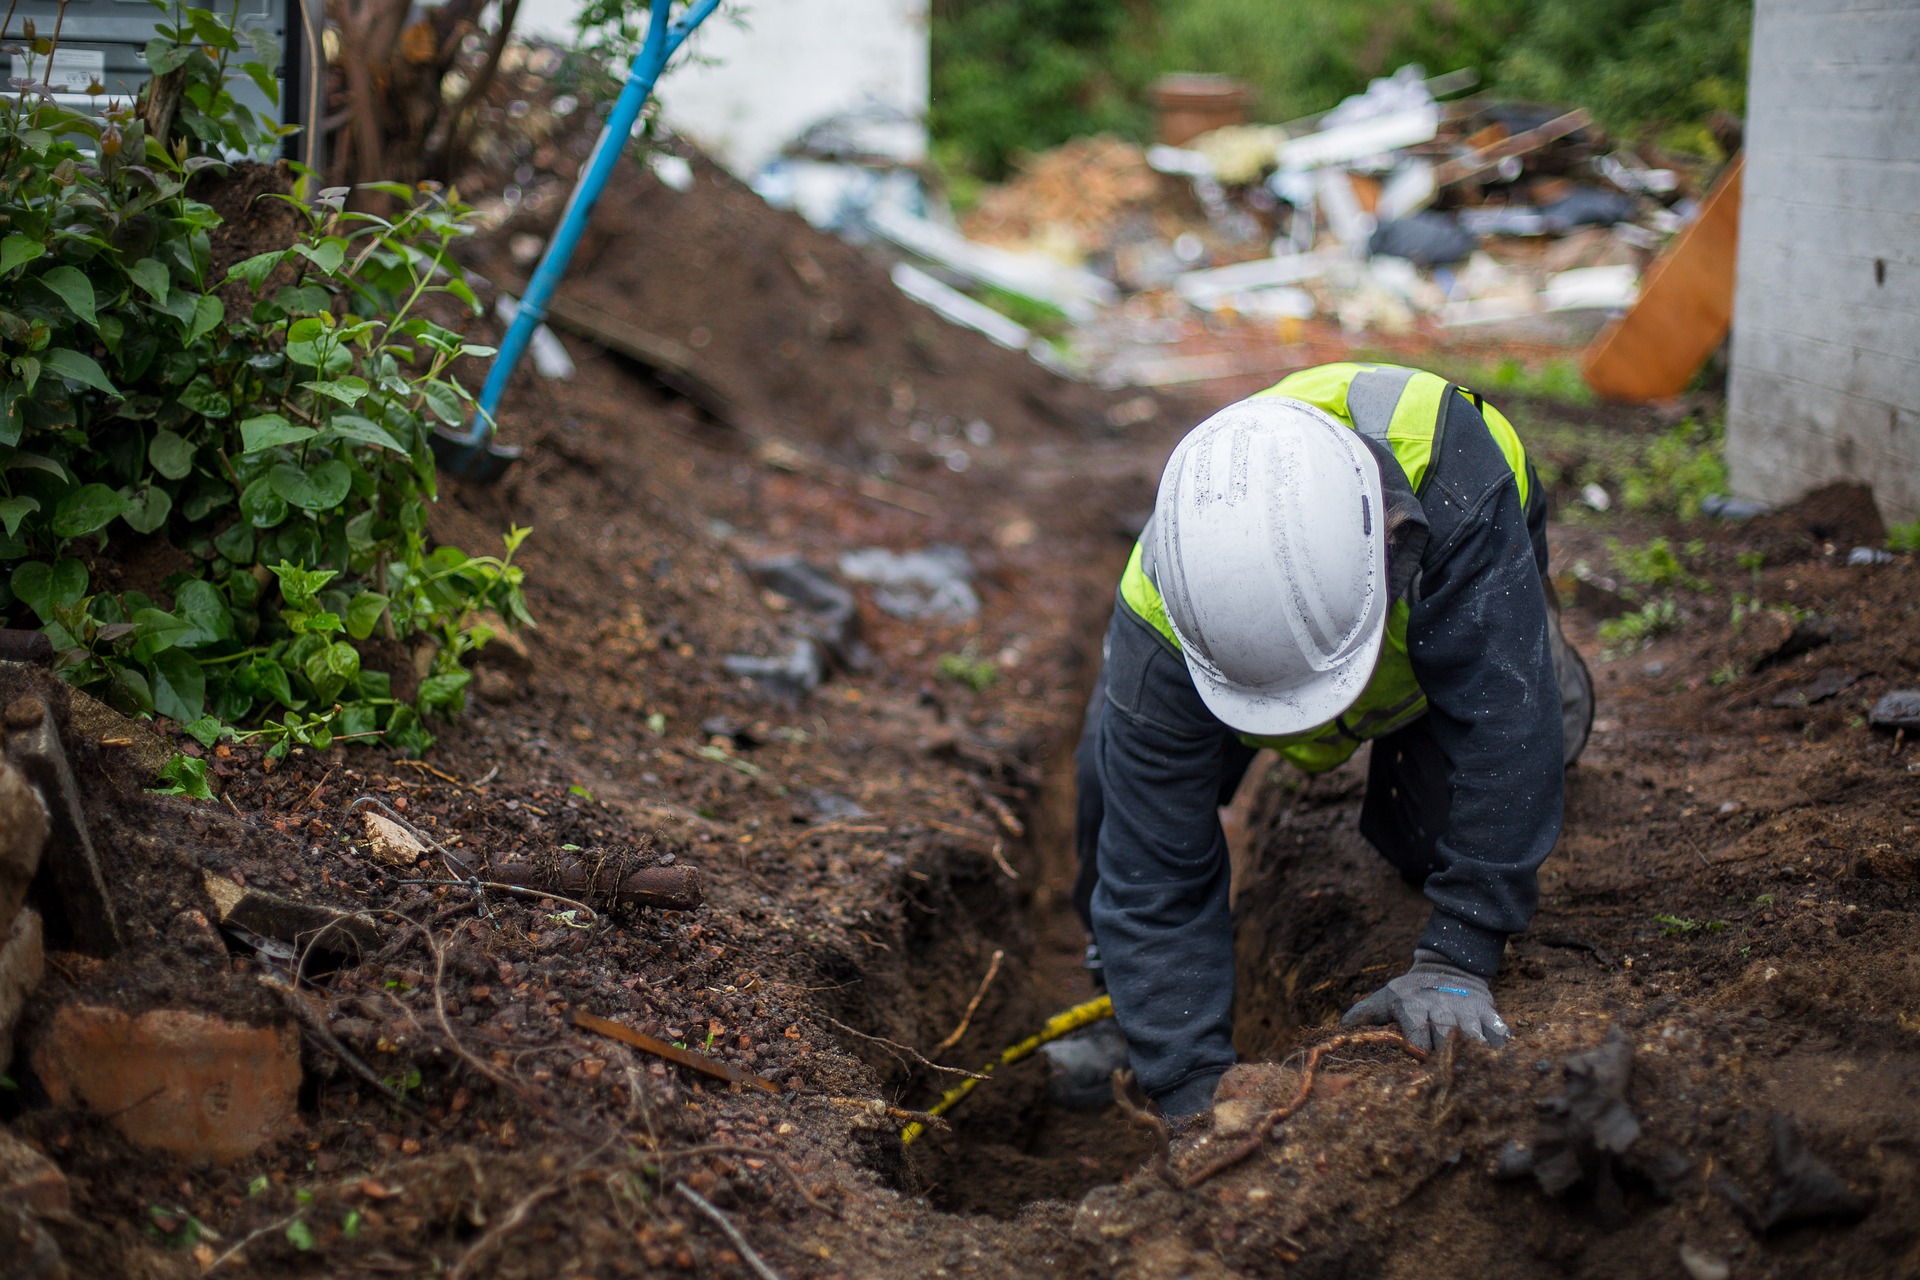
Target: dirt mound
x=1842, y=513
x=805, y=334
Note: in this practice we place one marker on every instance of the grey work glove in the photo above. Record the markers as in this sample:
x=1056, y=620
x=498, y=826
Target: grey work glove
x=1430, y=1001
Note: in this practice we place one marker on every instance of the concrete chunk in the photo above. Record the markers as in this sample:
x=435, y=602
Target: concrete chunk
x=303, y=924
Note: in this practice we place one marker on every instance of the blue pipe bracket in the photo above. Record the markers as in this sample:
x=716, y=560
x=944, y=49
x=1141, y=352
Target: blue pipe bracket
x=664, y=39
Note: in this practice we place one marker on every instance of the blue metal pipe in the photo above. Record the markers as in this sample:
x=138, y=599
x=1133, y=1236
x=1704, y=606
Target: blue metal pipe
x=663, y=40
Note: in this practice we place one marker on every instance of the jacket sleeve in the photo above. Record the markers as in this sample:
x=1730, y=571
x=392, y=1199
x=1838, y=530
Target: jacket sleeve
x=1477, y=637
x=1160, y=912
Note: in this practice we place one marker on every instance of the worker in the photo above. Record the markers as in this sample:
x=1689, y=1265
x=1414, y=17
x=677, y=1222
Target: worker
x=1356, y=554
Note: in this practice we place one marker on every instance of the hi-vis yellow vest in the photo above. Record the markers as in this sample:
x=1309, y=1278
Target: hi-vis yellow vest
x=1404, y=409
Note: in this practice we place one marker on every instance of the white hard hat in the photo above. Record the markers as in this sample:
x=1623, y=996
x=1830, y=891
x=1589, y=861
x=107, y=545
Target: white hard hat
x=1269, y=547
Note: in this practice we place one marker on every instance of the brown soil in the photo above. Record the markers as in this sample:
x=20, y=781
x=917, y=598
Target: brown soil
x=1735, y=887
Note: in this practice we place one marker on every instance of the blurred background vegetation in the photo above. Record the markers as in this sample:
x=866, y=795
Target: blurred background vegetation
x=1023, y=75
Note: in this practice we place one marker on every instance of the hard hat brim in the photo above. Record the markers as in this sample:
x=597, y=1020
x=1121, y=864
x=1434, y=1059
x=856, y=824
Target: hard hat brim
x=1282, y=710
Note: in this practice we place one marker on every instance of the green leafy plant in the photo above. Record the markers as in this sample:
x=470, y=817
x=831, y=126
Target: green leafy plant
x=1656, y=564
x=1672, y=925
x=1678, y=470
x=268, y=428
x=968, y=668
x=1754, y=562
x=1630, y=631
x=1904, y=537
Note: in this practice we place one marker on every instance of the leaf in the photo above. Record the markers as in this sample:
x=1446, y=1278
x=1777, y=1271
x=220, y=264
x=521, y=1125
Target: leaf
x=164, y=56
x=256, y=269
x=74, y=289
x=212, y=30
x=270, y=429
x=343, y=660
x=320, y=489
x=208, y=312
x=179, y=686
x=327, y=255
x=14, y=510
x=16, y=249
x=69, y=582
x=263, y=80
x=158, y=630
x=438, y=692
x=351, y=426
x=36, y=462
x=201, y=604
x=444, y=401
x=235, y=542
x=262, y=507
x=185, y=776
x=150, y=275
x=269, y=678
x=206, y=731
x=148, y=506
x=363, y=613
x=86, y=509
x=205, y=399
x=170, y=454
x=348, y=390
x=300, y=1235
x=75, y=367
x=32, y=585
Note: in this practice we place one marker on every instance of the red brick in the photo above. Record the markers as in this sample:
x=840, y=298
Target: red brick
x=185, y=1082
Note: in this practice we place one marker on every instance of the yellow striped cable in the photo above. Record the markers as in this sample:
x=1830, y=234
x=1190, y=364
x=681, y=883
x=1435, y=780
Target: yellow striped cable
x=1058, y=1025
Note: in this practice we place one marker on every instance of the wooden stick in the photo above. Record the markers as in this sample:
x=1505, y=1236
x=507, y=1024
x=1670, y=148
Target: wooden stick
x=661, y=1049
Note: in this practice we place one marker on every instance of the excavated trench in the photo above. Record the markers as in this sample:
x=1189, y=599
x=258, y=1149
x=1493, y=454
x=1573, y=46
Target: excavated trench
x=1312, y=905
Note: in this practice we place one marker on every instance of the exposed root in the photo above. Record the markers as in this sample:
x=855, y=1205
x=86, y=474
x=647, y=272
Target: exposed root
x=901, y=1048
x=1245, y=1146
x=973, y=1005
x=754, y=1260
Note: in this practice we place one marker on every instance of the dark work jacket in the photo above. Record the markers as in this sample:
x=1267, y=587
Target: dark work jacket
x=1477, y=639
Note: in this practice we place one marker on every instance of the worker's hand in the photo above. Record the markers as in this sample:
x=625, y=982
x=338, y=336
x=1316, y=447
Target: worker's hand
x=1431, y=1001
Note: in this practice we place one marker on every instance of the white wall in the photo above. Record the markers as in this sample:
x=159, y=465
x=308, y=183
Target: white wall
x=770, y=68
x=1826, y=326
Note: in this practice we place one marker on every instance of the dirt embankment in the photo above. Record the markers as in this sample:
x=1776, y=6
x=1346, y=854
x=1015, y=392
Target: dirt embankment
x=1733, y=893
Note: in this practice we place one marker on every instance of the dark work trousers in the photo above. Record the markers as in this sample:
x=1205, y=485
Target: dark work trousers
x=1409, y=796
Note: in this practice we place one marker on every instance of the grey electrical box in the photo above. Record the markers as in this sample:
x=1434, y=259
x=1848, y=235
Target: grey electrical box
x=102, y=40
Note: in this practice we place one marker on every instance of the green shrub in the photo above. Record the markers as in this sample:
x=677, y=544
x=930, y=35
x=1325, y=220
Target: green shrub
x=1904, y=537
x=1023, y=75
x=1656, y=565
x=1677, y=471
x=967, y=668
x=269, y=430
x=1629, y=631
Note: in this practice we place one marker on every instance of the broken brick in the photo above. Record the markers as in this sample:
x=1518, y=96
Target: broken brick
x=190, y=1083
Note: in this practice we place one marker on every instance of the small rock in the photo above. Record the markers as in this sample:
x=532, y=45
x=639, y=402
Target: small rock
x=491, y=684
x=1805, y=1189
x=1869, y=555
x=22, y=965
x=392, y=843
x=1701, y=1265
x=1596, y=497
x=1897, y=710
x=502, y=646
x=30, y=1181
x=192, y=932
x=173, y=1079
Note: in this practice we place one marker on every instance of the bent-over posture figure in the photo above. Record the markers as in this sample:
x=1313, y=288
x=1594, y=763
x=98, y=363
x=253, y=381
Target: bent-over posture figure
x=1358, y=553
